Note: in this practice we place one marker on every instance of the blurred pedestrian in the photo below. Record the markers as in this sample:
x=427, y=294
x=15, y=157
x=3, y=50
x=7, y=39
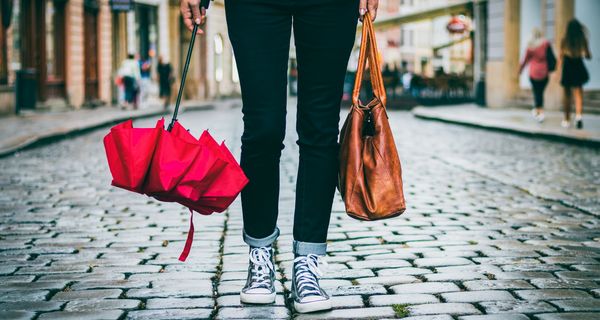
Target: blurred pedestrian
x=537, y=56
x=145, y=81
x=260, y=33
x=573, y=48
x=129, y=71
x=165, y=81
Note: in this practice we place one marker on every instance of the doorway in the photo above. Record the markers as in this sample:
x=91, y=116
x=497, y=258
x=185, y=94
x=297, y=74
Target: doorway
x=90, y=30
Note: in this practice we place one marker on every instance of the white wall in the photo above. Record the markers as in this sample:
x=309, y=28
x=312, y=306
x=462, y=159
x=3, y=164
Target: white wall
x=531, y=17
x=588, y=13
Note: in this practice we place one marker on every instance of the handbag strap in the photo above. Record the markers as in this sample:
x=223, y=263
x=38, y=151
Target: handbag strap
x=369, y=53
x=186, y=66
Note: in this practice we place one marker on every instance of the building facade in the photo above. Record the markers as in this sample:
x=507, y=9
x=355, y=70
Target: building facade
x=67, y=52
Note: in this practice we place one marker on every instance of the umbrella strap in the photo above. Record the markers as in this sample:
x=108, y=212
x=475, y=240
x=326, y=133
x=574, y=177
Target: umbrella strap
x=186, y=66
x=190, y=239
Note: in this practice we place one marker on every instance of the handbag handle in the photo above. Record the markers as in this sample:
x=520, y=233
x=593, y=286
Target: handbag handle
x=369, y=52
x=186, y=66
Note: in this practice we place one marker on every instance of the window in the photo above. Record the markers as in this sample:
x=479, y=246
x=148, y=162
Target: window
x=55, y=35
x=218, y=50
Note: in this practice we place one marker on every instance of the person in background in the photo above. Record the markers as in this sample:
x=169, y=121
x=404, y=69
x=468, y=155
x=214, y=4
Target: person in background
x=573, y=48
x=145, y=66
x=536, y=57
x=129, y=71
x=165, y=80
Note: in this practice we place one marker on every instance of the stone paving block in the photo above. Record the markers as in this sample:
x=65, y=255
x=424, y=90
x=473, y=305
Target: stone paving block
x=563, y=284
x=403, y=271
x=516, y=307
x=31, y=306
x=378, y=264
x=390, y=299
x=106, y=304
x=388, y=280
x=568, y=316
x=497, y=284
x=579, y=275
x=521, y=275
x=438, y=262
x=88, y=315
x=38, y=285
x=87, y=294
x=443, y=308
x=16, y=315
x=361, y=313
x=123, y=284
x=171, y=276
x=179, y=303
x=349, y=274
x=495, y=317
x=181, y=291
x=170, y=314
x=233, y=300
x=551, y=294
x=339, y=302
x=23, y=295
x=578, y=304
x=531, y=267
x=477, y=296
x=425, y=287
x=365, y=289
x=253, y=312
x=454, y=276
x=586, y=267
x=431, y=317
x=391, y=256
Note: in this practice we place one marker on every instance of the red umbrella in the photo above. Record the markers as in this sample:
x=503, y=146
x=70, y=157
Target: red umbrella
x=129, y=152
x=171, y=165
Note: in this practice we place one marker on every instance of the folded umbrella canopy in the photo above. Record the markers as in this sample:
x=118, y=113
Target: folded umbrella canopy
x=171, y=165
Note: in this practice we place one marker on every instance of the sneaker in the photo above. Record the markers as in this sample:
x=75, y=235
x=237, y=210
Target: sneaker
x=579, y=124
x=540, y=117
x=260, y=284
x=307, y=293
x=565, y=124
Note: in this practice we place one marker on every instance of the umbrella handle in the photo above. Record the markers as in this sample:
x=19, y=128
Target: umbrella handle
x=186, y=66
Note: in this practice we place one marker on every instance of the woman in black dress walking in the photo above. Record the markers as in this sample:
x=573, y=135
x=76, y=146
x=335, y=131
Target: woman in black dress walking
x=573, y=48
x=260, y=33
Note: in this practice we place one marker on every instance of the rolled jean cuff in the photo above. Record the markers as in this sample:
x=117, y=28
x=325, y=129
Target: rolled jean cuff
x=305, y=248
x=262, y=242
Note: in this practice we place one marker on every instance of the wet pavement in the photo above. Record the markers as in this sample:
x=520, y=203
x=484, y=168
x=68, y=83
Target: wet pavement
x=497, y=227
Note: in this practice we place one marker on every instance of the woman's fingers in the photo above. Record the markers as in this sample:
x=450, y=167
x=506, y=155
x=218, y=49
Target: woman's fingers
x=191, y=14
x=372, y=7
x=362, y=9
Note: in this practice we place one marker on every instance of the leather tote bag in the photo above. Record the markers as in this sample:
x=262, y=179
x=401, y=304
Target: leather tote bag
x=370, y=176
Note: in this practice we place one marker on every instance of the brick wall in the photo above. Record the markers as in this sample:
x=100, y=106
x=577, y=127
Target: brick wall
x=105, y=51
x=74, y=53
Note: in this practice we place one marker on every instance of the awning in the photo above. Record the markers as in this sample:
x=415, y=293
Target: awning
x=465, y=8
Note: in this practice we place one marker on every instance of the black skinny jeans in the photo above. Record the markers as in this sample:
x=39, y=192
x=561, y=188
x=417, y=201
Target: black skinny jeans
x=260, y=31
x=538, y=87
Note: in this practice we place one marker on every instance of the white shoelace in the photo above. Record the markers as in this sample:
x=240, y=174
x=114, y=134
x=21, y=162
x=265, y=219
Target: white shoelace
x=261, y=266
x=307, y=274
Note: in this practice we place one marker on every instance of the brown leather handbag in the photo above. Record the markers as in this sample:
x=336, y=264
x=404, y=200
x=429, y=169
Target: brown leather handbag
x=370, y=177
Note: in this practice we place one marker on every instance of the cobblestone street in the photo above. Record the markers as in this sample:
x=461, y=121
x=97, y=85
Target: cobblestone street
x=498, y=226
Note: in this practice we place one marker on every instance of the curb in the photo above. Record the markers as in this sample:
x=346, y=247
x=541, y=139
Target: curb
x=531, y=134
x=60, y=133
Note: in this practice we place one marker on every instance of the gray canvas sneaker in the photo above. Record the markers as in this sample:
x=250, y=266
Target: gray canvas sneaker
x=260, y=284
x=307, y=293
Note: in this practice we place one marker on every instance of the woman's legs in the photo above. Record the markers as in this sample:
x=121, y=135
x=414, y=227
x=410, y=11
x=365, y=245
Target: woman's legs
x=567, y=103
x=538, y=87
x=260, y=35
x=324, y=34
x=578, y=97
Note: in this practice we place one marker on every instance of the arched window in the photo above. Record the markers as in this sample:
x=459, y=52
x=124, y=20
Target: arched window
x=218, y=57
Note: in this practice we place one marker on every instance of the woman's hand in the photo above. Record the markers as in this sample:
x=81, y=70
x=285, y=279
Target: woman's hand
x=192, y=14
x=368, y=6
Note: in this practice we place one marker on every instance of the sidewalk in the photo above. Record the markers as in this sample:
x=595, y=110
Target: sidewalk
x=517, y=121
x=19, y=132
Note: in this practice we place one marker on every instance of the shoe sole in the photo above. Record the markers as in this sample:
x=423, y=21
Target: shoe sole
x=312, y=306
x=255, y=298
